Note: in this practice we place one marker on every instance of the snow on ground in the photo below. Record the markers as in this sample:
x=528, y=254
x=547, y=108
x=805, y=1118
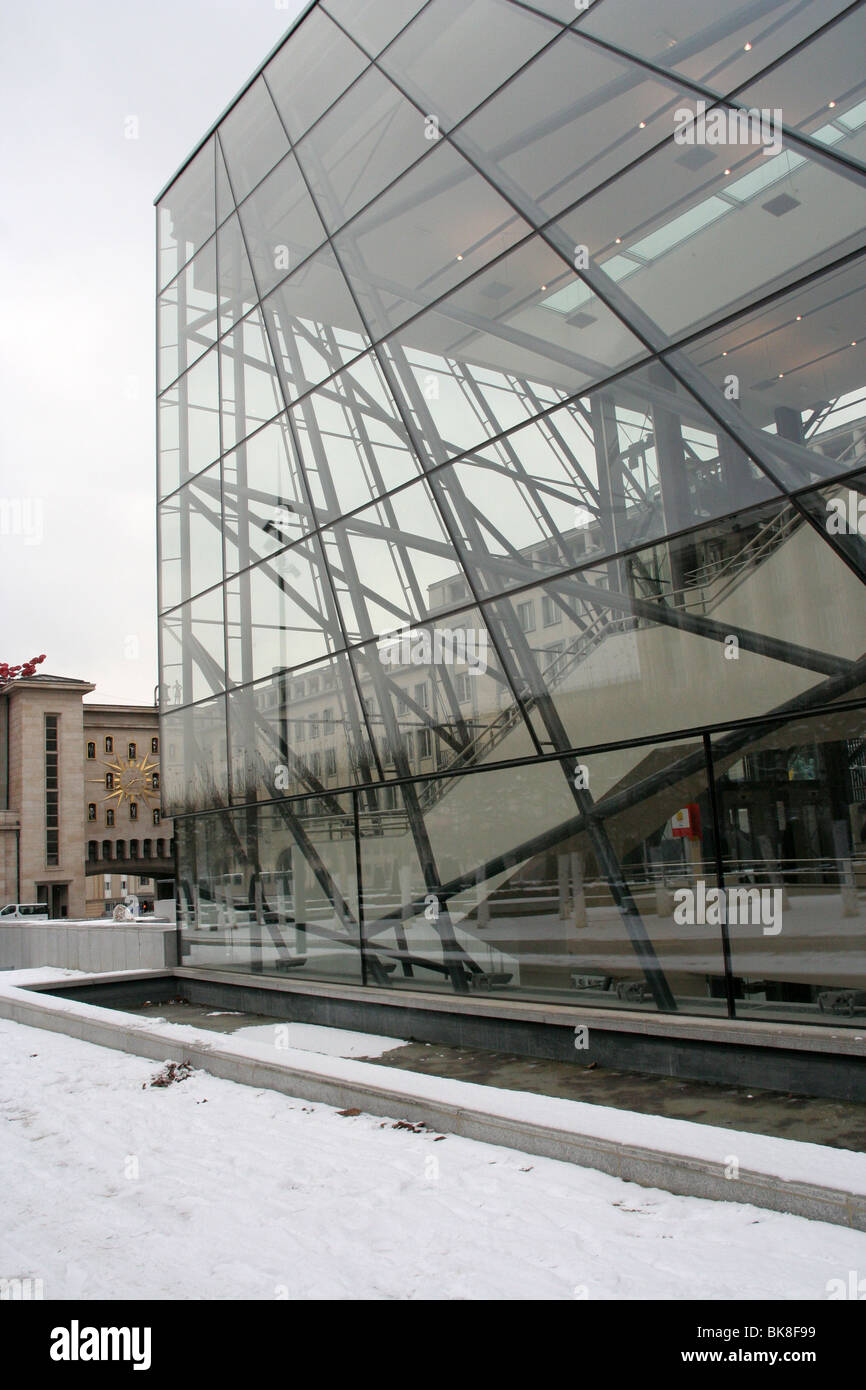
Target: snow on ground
x=312, y=1037
x=208, y=1189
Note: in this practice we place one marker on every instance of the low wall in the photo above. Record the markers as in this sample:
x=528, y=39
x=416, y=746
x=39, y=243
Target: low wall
x=91, y=946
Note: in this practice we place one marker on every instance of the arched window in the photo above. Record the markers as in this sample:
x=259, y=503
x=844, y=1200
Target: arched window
x=160, y=849
x=91, y=750
x=133, y=849
x=156, y=817
x=120, y=849
x=109, y=743
x=147, y=849
x=154, y=781
x=92, y=850
x=91, y=810
x=133, y=810
x=106, y=849
x=109, y=816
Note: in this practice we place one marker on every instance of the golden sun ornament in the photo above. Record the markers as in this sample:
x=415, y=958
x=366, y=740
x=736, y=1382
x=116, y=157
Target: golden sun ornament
x=133, y=780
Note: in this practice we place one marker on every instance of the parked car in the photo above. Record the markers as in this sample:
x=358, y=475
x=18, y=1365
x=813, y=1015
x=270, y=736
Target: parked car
x=24, y=912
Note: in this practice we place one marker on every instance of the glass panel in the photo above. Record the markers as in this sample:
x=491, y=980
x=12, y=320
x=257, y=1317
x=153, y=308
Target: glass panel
x=186, y=214
x=250, y=389
x=701, y=229
x=796, y=370
x=193, y=652
x=718, y=47
x=201, y=527
x=298, y=732
x=170, y=589
x=436, y=695
x=506, y=324
x=263, y=497
x=821, y=89
x=353, y=442
x=499, y=36
x=437, y=225
x=280, y=224
x=225, y=203
x=187, y=316
x=237, y=287
x=311, y=70
x=634, y=461
x=362, y=144
x=272, y=889
x=729, y=622
x=573, y=118
x=189, y=428
x=841, y=512
x=280, y=614
x=193, y=757
x=792, y=804
x=253, y=139
x=373, y=23
x=496, y=883
x=316, y=324
x=386, y=560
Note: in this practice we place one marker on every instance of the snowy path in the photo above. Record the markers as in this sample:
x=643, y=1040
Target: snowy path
x=248, y=1194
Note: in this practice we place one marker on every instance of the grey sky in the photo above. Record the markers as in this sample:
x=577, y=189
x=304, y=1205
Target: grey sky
x=77, y=535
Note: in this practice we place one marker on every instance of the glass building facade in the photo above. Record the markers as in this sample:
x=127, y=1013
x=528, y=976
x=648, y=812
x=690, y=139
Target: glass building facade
x=512, y=495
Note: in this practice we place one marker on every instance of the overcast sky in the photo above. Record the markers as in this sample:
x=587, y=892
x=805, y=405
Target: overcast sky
x=77, y=472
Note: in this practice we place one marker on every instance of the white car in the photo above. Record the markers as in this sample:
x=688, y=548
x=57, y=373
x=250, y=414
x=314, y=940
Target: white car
x=24, y=912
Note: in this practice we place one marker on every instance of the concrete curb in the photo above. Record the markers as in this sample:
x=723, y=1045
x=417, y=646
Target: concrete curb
x=681, y=1174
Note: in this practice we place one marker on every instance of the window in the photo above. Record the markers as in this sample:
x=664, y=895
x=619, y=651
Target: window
x=91, y=810
x=330, y=761
x=154, y=745
x=328, y=720
x=156, y=817
x=160, y=849
x=314, y=727
x=154, y=781
x=131, y=753
x=109, y=781
x=316, y=765
x=133, y=810
x=550, y=615
x=52, y=793
x=120, y=851
x=421, y=696
x=144, y=882
x=109, y=816
x=526, y=616
x=424, y=742
x=463, y=688
x=106, y=849
x=91, y=751
x=92, y=850
x=133, y=849
x=147, y=851
x=109, y=743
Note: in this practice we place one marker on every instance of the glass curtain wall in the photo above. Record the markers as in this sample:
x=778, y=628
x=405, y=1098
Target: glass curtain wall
x=512, y=502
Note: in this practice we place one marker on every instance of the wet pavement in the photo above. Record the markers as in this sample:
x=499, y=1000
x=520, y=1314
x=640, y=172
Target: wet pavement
x=838, y=1124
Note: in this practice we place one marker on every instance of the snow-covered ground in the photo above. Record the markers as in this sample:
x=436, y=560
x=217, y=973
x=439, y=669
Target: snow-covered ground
x=207, y=1189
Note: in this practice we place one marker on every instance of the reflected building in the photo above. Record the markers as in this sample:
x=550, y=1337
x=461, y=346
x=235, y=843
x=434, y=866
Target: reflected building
x=512, y=491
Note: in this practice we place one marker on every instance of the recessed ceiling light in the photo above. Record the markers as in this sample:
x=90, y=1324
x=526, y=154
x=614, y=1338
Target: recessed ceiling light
x=747, y=47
